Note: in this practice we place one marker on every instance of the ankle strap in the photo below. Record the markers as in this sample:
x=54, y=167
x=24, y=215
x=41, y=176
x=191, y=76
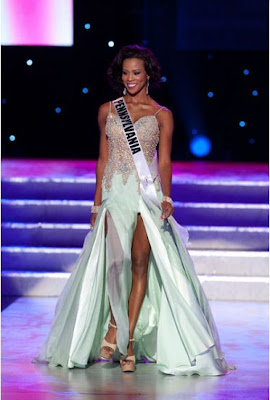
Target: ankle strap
x=114, y=326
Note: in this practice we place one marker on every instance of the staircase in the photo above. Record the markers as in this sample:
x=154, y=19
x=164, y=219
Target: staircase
x=46, y=210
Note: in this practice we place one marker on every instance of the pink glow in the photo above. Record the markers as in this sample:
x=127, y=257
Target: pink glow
x=194, y=170
x=37, y=23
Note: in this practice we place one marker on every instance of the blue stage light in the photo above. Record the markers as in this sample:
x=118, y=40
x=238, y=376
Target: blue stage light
x=251, y=141
x=246, y=72
x=242, y=124
x=58, y=110
x=111, y=43
x=194, y=131
x=255, y=92
x=87, y=26
x=85, y=90
x=200, y=146
x=12, y=138
x=163, y=79
x=210, y=94
x=29, y=62
x=4, y=101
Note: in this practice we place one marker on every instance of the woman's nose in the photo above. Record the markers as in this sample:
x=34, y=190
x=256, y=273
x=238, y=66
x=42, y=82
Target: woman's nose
x=130, y=78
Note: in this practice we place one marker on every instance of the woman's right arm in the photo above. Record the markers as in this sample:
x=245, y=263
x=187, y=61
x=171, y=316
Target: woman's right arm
x=102, y=158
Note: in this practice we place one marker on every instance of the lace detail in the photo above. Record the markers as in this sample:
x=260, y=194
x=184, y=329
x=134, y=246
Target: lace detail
x=120, y=160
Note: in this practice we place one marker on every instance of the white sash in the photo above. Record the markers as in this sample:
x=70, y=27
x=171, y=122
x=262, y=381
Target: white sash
x=148, y=190
x=147, y=186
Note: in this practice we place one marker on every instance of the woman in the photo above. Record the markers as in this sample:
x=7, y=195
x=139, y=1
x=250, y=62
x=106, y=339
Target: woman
x=134, y=284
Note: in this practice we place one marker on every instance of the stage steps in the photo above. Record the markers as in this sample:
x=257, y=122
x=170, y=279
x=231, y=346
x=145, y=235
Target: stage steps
x=224, y=274
x=189, y=213
x=188, y=190
x=66, y=235
x=46, y=210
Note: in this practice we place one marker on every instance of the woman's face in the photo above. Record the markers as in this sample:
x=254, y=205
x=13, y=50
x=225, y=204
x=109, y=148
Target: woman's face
x=134, y=76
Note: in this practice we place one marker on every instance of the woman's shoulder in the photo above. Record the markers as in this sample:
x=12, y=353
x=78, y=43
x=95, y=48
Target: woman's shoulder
x=162, y=111
x=158, y=107
x=104, y=109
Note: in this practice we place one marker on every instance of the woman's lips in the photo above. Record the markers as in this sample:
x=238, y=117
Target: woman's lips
x=131, y=85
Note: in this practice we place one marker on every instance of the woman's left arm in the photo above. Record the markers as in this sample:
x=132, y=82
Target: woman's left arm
x=164, y=159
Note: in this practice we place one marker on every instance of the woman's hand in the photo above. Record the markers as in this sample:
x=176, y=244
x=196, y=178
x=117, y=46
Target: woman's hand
x=167, y=209
x=93, y=220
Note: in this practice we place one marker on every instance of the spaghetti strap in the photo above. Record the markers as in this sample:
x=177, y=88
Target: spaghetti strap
x=159, y=110
x=110, y=107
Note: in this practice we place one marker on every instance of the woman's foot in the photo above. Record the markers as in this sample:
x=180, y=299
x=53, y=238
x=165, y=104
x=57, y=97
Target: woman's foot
x=108, y=345
x=127, y=364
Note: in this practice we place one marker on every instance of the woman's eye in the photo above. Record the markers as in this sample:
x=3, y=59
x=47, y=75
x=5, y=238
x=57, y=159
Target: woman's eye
x=135, y=73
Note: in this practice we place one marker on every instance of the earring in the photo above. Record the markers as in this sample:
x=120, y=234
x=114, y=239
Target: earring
x=125, y=91
x=147, y=86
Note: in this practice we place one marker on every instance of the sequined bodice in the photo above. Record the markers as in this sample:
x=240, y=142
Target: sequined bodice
x=120, y=160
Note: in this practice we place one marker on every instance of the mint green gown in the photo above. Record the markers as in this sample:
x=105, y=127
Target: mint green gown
x=175, y=327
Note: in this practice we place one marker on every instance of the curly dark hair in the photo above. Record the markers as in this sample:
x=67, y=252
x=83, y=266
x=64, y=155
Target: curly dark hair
x=151, y=65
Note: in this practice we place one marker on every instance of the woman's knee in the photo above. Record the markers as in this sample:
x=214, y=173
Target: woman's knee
x=140, y=263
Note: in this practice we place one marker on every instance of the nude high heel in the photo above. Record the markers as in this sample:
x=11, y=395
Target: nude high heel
x=104, y=353
x=130, y=365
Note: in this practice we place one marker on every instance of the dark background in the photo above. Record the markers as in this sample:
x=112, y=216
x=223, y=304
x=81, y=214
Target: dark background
x=202, y=47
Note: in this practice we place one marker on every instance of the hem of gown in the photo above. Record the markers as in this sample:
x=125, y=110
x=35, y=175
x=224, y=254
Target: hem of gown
x=219, y=365
x=218, y=368
x=180, y=372
x=204, y=364
x=51, y=363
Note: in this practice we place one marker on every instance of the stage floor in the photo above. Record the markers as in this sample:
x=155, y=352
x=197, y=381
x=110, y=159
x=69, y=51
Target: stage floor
x=243, y=329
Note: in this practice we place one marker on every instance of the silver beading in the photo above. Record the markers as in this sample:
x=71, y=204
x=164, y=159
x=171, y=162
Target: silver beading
x=168, y=199
x=95, y=209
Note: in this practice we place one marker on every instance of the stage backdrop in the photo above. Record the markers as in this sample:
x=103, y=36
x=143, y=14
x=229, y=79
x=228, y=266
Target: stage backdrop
x=214, y=62
x=37, y=22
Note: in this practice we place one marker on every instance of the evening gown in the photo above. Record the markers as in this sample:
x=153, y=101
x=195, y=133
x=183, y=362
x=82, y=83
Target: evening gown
x=175, y=328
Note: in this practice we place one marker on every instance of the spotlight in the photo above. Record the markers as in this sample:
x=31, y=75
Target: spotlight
x=255, y=92
x=87, y=26
x=210, y=94
x=251, y=141
x=29, y=62
x=246, y=72
x=111, y=43
x=85, y=90
x=163, y=79
x=58, y=110
x=242, y=124
x=200, y=146
x=4, y=101
x=12, y=138
x=194, y=131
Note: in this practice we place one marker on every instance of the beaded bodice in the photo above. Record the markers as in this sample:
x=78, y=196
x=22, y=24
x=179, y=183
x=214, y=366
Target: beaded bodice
x=120, y=160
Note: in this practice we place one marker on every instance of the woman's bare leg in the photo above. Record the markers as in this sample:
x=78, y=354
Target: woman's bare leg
x=111, y=333
x=140, y=256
